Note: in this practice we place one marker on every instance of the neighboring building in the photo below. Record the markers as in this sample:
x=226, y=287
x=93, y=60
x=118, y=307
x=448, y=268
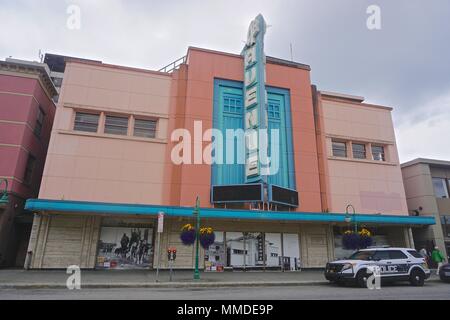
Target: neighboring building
x=359, y=164
x=427, y=185
x=26, y=118
x=57, y=64
x=110, y=167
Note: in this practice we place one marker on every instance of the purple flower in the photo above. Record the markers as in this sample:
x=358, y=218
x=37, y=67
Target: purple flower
x=207, y=239
x=188, y=237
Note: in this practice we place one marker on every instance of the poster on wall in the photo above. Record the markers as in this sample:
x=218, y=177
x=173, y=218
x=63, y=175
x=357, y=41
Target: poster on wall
x=245, y=249
x=125, y=248
x=273, y=249
x=215, y=256
x=291, y=254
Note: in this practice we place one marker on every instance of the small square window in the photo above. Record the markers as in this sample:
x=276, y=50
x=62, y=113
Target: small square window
x=378, y=153
x=87, y=122
x=339, y=149
x=29, y=170
x=116, y=125
x=145, y=128
x=359, y=151
x=39, y=122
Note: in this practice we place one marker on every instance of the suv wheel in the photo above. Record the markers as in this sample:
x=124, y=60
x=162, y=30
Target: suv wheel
x=417, y=278
x=361, y=278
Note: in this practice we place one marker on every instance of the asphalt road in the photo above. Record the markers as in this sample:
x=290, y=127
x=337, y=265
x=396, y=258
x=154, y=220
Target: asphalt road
x=431, y=291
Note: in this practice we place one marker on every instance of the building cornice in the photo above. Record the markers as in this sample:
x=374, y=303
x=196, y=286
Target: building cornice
x=32, y=70
x=432, y=162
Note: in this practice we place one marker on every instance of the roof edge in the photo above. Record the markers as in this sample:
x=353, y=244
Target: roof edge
x=435, y=162
x=270, y=59
x=114, y=66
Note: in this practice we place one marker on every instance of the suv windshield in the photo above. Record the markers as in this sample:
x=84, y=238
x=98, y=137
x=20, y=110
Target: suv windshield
x=362, y=255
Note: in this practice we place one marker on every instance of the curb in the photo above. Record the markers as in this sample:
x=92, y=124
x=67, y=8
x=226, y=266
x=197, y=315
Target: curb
x=171, y=285
x=168, y=285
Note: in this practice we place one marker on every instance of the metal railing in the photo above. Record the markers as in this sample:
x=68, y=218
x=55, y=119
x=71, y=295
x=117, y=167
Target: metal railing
x=174, y=65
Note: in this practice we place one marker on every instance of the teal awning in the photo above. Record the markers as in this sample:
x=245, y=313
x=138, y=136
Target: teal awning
x=38, y=205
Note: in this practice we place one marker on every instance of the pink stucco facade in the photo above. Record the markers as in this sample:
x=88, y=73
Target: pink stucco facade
x=193, y=88
x=108, y=168
x=126, y=169
x=105, y=167
x=370, y=186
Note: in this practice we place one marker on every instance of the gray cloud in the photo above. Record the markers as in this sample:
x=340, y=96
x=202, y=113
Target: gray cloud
x=404, y=65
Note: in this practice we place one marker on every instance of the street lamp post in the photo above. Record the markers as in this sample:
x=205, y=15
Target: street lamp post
x=348, y=218
x=197, y=240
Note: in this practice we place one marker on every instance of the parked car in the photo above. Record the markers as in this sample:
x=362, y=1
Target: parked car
x=396, y=264
x=444, y=272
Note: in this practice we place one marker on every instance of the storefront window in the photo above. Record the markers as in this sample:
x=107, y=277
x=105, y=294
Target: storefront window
x=129, y=246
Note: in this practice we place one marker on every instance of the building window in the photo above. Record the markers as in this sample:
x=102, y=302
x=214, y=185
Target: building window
x=116, y=125
x=378, y=153
x=339, y=149
x=145, y=128
x=29, y=169
x=440, y=188
x=445, y=222
x=359, y=151
x=86, y=122
x=57, y=81
x=273, y=110
x=39, y=122
x=232, y=105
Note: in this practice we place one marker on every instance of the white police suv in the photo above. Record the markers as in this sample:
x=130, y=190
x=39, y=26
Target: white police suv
x=394, y=264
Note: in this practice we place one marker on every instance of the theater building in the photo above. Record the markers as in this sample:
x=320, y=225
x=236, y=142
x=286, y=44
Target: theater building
x=111, y=167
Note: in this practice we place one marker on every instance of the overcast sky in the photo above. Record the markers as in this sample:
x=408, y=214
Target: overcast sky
x=405, y=65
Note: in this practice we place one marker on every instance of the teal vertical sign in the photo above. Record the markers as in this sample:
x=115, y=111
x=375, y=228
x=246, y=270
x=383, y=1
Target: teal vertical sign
x=255, y=101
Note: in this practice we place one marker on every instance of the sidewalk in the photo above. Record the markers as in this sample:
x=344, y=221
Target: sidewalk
x=36, y=279
x=147, y=279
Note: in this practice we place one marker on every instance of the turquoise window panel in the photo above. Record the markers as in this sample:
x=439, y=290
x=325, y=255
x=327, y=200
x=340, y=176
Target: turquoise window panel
x=277, y=121
x=228, y=113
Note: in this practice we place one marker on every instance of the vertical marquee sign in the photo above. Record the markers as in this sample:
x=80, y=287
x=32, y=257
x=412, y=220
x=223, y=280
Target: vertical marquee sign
x=255, y=100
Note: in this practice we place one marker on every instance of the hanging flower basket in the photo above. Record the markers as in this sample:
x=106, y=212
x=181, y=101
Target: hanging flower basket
x=187, y=235
x=350, y=240
x=207, y=237
x=365, y=238
x=365, y=241
x=355, y=241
